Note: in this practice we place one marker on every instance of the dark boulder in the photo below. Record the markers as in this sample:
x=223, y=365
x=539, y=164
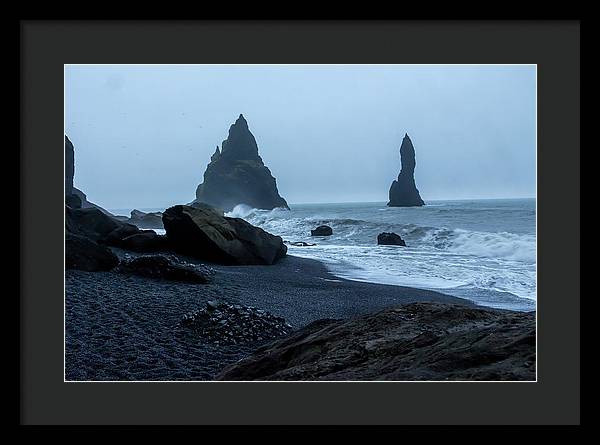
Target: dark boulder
x=203, y=233
x=145, y=241
x=90, y=222
x=419, y=341
x=236, y=174
x=390, y=239
x=165, y=268
x=322, y=231
x=84, y=254
x=115, y=238
x=207, y=207
x=403, y=192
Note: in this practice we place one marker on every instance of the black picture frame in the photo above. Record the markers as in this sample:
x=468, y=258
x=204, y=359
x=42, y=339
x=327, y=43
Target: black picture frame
x=47, y=45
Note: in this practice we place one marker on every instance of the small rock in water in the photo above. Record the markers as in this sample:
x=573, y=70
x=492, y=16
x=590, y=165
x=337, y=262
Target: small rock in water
x=322, y=231
x=299, y=243
x=390, y=239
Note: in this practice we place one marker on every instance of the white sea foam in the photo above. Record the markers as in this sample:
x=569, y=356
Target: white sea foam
x=511, y=246
x=455, y=248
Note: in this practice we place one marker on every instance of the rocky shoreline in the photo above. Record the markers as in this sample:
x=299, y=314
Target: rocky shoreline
x=418, y=341
x=129, y=327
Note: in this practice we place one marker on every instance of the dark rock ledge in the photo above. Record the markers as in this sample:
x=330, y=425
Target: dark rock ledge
x=419, y=341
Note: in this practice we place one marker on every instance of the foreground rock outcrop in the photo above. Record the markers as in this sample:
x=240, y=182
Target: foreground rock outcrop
x=84, y=254
x=236, y=174
x=419, y=341
x=203, y=233
x=390, y=239
x=88, y=232
x=94, y=224
x=85, y=231
x=403, y=192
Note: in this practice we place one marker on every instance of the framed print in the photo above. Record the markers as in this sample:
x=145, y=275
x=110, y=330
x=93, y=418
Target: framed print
x=337, y=224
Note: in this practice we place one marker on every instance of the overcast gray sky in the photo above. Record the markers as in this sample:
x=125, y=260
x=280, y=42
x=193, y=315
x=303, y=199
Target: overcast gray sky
x=143, y=134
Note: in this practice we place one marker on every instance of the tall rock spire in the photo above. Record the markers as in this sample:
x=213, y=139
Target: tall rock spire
x=69, y=166
x=237, y=175
x=403, y=192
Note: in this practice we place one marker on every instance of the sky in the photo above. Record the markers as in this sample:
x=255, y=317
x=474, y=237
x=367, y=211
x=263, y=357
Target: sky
x=143, y=134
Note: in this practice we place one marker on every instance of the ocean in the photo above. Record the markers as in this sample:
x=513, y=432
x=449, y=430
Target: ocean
x=482, y=250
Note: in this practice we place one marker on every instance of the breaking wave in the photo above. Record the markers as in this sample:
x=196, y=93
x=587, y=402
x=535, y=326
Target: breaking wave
x=511, y=246
x=471, y=263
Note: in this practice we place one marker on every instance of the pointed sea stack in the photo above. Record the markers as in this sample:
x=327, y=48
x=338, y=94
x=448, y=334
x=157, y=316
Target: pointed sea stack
x=237, y=175
x=403, y=192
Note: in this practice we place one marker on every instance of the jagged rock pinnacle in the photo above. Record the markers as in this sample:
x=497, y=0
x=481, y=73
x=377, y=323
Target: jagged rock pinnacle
x=403, y=192
x=237, y=174
x=216, y=155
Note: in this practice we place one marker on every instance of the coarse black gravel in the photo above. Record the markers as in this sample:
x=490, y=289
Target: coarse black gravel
x=126, y=327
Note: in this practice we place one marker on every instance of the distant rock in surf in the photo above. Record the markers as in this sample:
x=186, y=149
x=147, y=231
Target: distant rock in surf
x=322, y=231
x=236, y=174
x=403, y=192
x=390, y=239
x=203, y=233
x=299, y=243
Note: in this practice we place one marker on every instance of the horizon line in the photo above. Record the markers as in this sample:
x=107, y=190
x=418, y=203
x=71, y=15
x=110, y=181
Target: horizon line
x=354, y=202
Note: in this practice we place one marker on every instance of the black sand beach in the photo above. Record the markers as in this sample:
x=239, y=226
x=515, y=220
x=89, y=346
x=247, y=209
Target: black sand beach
x=121, y=327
